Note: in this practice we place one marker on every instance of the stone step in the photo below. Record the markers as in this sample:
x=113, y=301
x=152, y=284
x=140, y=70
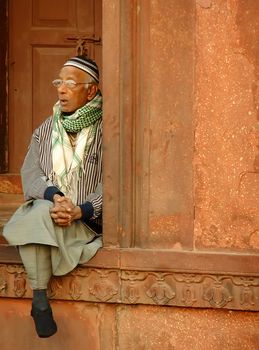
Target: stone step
x=10, y=197
x=9, y=202
x=9, y=255
x=10, y=183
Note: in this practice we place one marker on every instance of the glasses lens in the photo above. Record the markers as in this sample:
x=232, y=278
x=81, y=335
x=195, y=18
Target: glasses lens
x=71, y=84
x=57, y=83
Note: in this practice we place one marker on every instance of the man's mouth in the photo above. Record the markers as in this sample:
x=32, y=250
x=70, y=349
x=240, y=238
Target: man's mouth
x=63, y=102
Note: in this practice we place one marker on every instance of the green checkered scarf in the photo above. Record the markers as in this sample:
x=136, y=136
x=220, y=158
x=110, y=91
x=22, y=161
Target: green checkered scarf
x=83, y=117
x=68, y=162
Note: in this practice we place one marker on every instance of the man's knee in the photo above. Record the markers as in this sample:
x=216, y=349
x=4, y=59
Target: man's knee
x=42, y=207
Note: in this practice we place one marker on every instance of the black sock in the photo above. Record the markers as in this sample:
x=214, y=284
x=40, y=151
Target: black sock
x=40, y=299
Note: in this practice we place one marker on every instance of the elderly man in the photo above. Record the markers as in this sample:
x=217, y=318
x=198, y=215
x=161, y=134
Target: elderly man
x=59, y=225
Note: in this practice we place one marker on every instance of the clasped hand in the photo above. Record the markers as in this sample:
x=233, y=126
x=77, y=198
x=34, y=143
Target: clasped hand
x=64, y=212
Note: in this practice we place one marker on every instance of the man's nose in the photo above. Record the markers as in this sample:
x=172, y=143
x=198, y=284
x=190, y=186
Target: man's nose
x=62, y=87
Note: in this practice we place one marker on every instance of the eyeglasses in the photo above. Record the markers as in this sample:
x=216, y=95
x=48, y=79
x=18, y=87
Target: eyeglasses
x=71, y=84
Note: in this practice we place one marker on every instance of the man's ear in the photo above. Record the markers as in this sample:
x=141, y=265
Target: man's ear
x=92, y=90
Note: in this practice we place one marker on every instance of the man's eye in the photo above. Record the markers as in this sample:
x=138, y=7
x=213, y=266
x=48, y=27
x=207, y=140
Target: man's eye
x=70, y=83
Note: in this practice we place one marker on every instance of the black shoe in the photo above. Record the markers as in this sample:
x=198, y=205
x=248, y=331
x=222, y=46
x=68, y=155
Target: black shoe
x=44, y=322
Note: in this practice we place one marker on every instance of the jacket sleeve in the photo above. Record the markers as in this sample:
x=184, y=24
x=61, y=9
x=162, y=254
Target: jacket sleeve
x=34, y=181
x=92, y=208
x=95, y=200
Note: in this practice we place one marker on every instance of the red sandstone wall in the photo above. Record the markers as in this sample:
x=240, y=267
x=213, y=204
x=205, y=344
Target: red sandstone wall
x=225, y=88
x=226, y=148
x=109, y=327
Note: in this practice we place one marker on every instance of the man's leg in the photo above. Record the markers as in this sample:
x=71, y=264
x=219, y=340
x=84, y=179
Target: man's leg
x=37, y=262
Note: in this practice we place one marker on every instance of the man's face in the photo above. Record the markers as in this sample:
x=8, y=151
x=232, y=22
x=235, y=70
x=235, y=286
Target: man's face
x=72, y=99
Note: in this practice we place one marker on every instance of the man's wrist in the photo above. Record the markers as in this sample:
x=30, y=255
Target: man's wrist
x=51, y=191
x=78, y=213
x=56, y=197
x=87, y=210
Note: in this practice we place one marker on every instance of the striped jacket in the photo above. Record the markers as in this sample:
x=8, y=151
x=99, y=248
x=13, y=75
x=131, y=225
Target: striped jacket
x=37, y=168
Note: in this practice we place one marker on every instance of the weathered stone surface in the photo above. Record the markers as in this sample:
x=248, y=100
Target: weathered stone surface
x=10, y=184
x=158, y=328
x=171, y=49
x=226, y=182
x=80, y=326
x=108, y=327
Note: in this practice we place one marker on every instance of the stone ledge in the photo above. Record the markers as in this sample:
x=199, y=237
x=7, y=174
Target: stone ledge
x=110, y=277
x=141, y=287
x=162, y=260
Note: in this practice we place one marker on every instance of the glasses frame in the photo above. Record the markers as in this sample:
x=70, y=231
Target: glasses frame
x=67, y=82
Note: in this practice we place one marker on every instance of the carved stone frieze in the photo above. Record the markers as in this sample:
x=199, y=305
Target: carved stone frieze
x=19, y=281
x=161, y=291
x=141, y=287
x=103, y=287
x=75, y=287
x=55, y=285
x=247, y=298
x=131, y=283
x=3, y=281
x=19, y=285
x=188, y=295
x=217, y=295
x=3, y=285
x=188, y=290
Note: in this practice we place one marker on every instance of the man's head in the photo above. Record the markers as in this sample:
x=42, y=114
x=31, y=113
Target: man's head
x=77, y=83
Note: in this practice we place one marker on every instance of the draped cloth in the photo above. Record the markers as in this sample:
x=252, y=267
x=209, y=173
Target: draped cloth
x=70, y=246
x=68, y=162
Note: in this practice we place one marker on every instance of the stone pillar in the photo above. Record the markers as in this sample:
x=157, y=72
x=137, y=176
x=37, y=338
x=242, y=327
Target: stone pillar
x=226, y=119
x=149, y=135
